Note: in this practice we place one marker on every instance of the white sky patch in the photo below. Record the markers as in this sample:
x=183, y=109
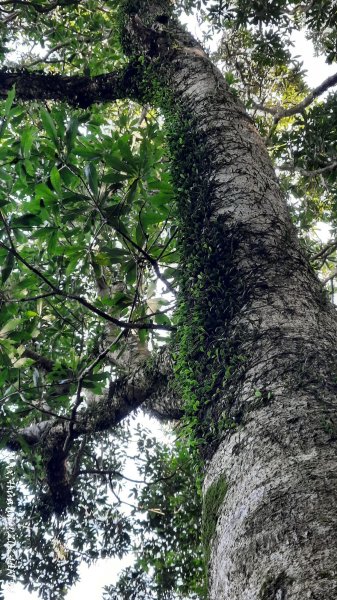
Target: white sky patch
x=316, y=69
x=322, y=231
x=197, y=31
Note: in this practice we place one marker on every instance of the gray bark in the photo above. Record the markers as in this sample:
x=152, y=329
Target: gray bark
x=276, y=526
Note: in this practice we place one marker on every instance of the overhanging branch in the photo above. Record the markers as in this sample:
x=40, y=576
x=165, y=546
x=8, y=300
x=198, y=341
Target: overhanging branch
x=280, y=113
x=80, y=91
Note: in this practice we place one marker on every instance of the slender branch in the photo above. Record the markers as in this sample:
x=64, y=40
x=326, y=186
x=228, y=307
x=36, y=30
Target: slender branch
x=11, y=17
x=306, y=173
x=83, y=301
x=70, y=435
x=32, y=298
x=44, y=411
x=79, y=398
x=55, y=48
x=112, y=472
x=330, y=277
x=280, y=113
x=153, y=262
x=325, y=251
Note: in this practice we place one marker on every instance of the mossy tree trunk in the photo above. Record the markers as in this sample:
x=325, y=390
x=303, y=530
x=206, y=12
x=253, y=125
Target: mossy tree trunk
x=257, y=336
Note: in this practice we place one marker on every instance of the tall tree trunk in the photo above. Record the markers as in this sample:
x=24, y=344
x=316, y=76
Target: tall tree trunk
x=256, y=362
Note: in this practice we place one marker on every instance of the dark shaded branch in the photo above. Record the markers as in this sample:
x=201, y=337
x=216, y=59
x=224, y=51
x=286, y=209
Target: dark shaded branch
x=79, y=91
x=41, y=361
x=40, y=8
x=148, y=386
x=120, y=475
x=328, y=249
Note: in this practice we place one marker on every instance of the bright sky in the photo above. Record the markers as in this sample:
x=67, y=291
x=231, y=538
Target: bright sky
x=105, y=571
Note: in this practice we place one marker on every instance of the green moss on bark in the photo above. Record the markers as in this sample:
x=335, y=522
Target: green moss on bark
x=212, y=503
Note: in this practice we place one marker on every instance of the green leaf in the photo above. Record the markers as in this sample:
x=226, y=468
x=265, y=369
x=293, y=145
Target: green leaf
x=71, y=134
x=140, y=235
x=27, y=138
x=8, y=267
x=30, y=170
x=114, y=178
x=132, y=192
x=55, y=179
x=97, y=376
x=4, y=202
x=162, y=320
x=26, y=220
x=115, y=255
x=151, y=219
x=52, y=243
x=9, y=101
x=42, y=191
x=131, y=272
x=121, y=166
x=49, y=126
x=91, y=175
x=10, y=326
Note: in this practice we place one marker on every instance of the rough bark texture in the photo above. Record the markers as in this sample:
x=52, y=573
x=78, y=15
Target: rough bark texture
x=276, y=526
x=80, y=91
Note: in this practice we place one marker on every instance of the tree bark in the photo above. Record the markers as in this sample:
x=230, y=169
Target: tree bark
x=271, y=472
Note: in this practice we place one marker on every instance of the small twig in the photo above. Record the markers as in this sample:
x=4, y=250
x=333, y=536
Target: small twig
x=42, y=410
x=324, y=252
x=112, y=472
x=150, y=259
x=32, y=298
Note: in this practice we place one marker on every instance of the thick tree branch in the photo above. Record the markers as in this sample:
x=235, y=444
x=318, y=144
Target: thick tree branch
x=79, y=91
x=148, y=385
